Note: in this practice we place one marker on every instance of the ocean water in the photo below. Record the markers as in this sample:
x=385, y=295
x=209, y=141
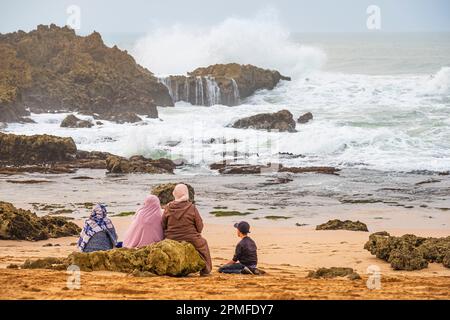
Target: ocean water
x=380, y=101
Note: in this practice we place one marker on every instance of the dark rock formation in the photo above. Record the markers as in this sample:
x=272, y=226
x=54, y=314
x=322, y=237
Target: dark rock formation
x=409, y=252
x=280, y=121
x=139, y=164
x=305, y=118
x=37, y=149
x=224, y=84
x=72, y=121
x=164, y=192
x=343, y=225
x=168, y=257
x=18, y=224
x=51, y=68
x=333, y=272
x=231, y=168
x=125, y=117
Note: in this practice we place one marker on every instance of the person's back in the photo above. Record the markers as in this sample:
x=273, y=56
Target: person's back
x=246, y=252
x=101, y=241
x=182, y=221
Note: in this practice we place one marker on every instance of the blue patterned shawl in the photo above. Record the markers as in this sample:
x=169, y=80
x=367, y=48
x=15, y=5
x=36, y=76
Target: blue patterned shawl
x=97, y=222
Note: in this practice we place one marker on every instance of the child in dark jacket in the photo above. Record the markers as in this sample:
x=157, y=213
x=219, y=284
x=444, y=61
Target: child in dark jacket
x=245, y=258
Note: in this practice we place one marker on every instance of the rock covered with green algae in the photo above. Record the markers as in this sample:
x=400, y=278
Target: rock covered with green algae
x=409, y=252
x=139, y=164
x=164, y=192
x=53, y=68
x=168, y=257
x=343, y=225
x=333, y=272
x=36, y=149
x=19, y=224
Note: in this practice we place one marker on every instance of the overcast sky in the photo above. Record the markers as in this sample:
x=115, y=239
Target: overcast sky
x=108, y=16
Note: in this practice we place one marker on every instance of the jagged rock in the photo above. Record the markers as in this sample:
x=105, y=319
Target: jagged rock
x=224, y=84
x=72, y=121
x=51, y=68
x=409, y=252
x=334, y=272
x=343, y=225
x=139, y=164
x=168, y=257
x=164, y=192
x=125, y=117
x=280, y=121
x=19, y=224
x=305, y=118
x=36, y=149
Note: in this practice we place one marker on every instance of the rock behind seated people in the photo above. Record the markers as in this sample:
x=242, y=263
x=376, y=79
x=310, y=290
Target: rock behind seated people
x=98, y=232
x=245, y=259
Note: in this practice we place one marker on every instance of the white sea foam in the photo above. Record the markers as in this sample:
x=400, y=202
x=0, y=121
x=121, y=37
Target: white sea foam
x=439, y=83
x=261, y=41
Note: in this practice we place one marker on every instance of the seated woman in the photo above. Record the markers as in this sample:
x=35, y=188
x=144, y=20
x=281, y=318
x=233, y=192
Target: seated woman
x=182, y=222
x=98, y=233
x=146, y=227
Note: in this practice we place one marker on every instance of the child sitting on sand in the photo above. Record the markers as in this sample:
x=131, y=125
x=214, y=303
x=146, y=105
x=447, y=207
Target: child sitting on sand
x=245, y=258
x=98, y=233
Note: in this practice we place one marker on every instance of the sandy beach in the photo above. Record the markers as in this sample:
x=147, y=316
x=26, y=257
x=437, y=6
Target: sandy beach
x=287, y=254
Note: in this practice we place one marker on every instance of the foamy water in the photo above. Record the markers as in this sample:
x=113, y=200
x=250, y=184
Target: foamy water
x=395, y=117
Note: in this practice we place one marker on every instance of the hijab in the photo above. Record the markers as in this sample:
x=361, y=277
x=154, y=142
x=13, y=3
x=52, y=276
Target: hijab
x=97, y=222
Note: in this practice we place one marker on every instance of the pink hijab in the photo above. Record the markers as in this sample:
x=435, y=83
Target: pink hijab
x=146, y=227
x=181, y=193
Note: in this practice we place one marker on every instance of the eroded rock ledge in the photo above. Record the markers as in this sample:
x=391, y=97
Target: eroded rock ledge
x=168, y=257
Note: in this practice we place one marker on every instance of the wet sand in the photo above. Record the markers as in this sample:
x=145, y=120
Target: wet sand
x=285, y=253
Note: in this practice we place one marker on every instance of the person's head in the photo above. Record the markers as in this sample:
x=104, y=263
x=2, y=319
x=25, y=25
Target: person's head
x=151, y=201
x=243, y=229
x=99, y=212
x=181, y=193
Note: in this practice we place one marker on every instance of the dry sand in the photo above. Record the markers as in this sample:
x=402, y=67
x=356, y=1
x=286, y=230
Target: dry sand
x=285, y=253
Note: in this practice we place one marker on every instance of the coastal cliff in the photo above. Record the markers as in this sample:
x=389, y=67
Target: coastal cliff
x=53, y=69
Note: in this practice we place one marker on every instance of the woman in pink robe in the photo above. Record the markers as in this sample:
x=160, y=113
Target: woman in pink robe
x=146, y=227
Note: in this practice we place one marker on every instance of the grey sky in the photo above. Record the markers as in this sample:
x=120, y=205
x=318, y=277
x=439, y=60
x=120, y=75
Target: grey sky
x=107, y=16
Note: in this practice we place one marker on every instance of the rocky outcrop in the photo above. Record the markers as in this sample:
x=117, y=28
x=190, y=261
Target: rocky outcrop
x=282, y=121
x=36, y=149
x=409, y=252
x=343, y=225
x=124, y=117
x=72, y=121
x=18, y=224
x=139, y=164
x=231, y=168
x=164, y=192
x=305, y=118
x=334, y=272
x=168, y=257
x=51, y=68
x=224, y=84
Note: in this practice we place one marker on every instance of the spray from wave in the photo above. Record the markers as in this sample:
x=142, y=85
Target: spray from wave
x=440, y=83
x=261, y=41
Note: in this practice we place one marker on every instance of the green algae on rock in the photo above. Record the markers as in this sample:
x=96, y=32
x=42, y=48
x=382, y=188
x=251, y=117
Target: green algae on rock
x=168, y=257
x=222, y=213
x=343, y=225
x=164, y=192
x=334, y=272
x=139, y=164
x=409, y=252
x=19, y=224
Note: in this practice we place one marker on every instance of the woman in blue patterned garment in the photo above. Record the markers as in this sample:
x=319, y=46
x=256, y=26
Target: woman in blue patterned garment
x=98, y=233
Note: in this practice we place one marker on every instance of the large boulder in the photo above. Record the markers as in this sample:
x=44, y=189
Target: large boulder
x=72, y=121
x=125, y=117
x=36, y=149
x=343, y=225
x=139, y=164
x=280, y=121
x=409, y=252
x=164, y=192
x=225, y=84
x=168, y=257
x=305, y=118
x=51, y=68
x=19, y=224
